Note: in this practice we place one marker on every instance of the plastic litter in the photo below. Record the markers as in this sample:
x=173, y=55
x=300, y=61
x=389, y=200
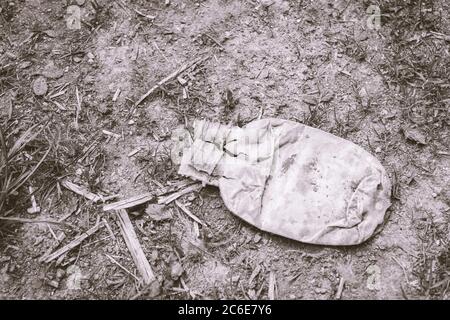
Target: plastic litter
x=291, y=179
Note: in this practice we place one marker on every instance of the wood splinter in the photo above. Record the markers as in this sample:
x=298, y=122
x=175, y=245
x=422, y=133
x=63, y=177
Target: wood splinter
x=74, y=243
x=134, y=247
x=170, y=77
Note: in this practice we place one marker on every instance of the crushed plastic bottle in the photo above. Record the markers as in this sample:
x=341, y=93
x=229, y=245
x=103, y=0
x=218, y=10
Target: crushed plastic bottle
x=291, y=179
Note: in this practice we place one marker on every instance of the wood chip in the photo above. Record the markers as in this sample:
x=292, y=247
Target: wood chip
x=116, y=95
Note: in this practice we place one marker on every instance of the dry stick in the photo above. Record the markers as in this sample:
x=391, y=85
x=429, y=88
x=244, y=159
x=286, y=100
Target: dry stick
x=340, y=288
x=121, y=267
x=74, y=243
x=80, y=191
x=78, y=108
x=189, y=213
x=272, y=286
x=170, y=77
x=174, y=196
x=130, y=202
x=147, y=197
x=134, y=247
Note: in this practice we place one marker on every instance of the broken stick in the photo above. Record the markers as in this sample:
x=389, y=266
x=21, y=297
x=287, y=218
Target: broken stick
x=130, y=202
x=82, y=191
x=134, y=247
x=174, y=196
x=188, y=213
x=149, y=196
x=340, y=288
x=170, y=77
x=74, y=243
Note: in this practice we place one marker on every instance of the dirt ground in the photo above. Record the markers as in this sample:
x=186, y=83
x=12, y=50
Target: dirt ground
x=315, y=62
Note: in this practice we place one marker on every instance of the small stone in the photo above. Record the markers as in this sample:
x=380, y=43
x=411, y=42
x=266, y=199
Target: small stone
x=60, y=273
x=378, y=150
x=77, y=59
x=256, y=238
x=36, y=283
x=90, y=55
x=176, y=270
x=320, y=290
x=40, y=86
x=80, y=2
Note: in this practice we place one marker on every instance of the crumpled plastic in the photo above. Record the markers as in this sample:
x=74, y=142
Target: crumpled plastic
x=291, y=179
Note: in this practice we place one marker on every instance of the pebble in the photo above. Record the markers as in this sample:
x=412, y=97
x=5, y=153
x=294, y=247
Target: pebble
x=60, y=273
x=320, y=290
x=40, y=86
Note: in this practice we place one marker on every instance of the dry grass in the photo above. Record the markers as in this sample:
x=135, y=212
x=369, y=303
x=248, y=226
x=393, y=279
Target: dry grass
x=19, y=161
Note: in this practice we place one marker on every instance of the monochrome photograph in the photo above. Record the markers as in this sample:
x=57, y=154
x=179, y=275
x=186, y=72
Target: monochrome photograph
x=227, y=150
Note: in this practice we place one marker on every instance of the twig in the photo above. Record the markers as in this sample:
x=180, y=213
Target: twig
x=121, y=267
x=187, y=212
x=340, y=288
x=134, y=247
x=170, y=77
x=78, y=108
x=109, y=229
x=149, y=196
x=74, y=243
x=80, y=191
x=168, y=199
x=272, y=293
x=403, y=268
x=214, y=40
x=130, y=202
x=144, y=15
